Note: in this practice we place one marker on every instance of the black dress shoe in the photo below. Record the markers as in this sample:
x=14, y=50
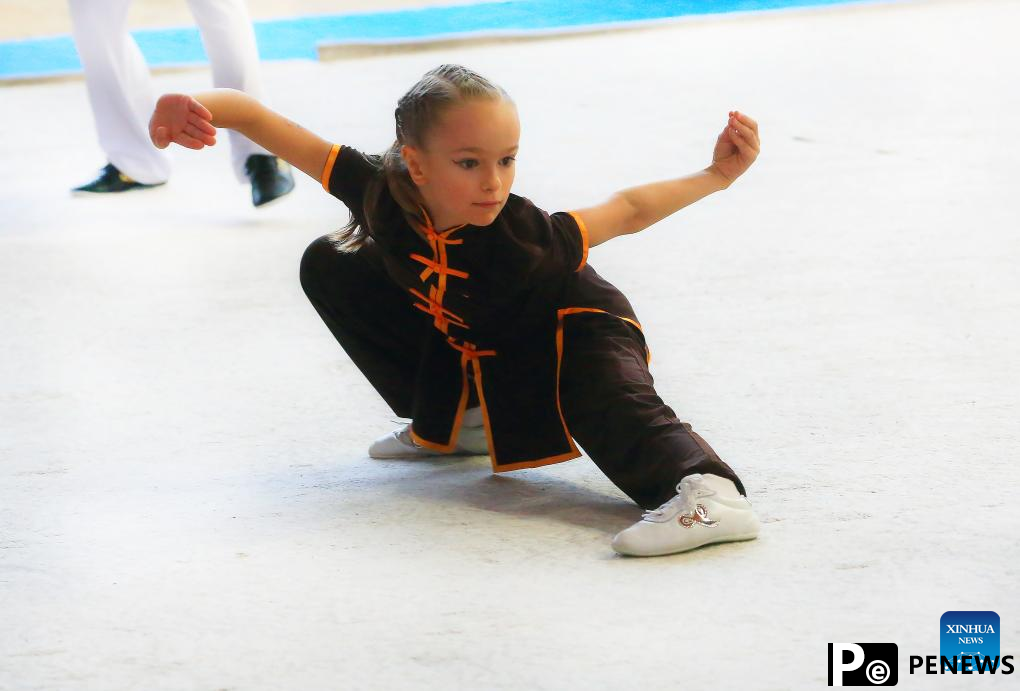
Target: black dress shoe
x=112, y=180
x=269, y=180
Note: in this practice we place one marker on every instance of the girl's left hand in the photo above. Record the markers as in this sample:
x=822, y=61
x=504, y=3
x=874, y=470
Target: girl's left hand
x=737, y=147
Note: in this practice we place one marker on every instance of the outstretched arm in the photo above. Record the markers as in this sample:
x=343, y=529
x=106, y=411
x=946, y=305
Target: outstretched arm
x=191, y=121
x=634, y=209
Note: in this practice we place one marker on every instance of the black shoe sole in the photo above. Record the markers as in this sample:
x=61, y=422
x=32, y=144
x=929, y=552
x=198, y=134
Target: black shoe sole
x=97, y=193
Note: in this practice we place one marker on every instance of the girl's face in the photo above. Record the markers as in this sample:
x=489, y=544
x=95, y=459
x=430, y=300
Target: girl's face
x=466, y=173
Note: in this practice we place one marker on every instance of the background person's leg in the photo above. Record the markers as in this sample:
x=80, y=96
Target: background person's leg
x=229, y=40
x=119, y=87
x=612, y=410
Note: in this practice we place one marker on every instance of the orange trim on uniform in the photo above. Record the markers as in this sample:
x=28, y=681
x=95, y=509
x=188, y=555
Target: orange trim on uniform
x=549, y=460
x=328, y=170
x=569, y=456
x=442, y=448
x=442, y=317
x=476, y=365
x=437, y=265
x=458, y=419
x=469, y=350
x=560, y=314
x=584, y=239
x=559, y=364
x=470, y=355
x=578, y=310
x=433, y=267
x=496, y=467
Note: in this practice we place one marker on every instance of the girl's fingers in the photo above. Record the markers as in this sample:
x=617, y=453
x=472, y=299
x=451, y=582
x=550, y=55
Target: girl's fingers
x=745, y=147
x=196, y=107
x=738, y=139
x=201, y=125
x=747, y=135
x=746, y=119
x=189, y=142
x=727, y=138
x=195, y=133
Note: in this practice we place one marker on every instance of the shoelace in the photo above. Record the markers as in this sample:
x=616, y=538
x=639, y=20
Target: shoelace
x=685, y=500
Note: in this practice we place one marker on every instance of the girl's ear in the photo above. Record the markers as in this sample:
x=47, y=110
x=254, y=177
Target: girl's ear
x=413, y=160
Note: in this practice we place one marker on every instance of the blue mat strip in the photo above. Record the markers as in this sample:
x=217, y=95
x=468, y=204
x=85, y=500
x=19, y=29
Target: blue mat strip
x=287, y=39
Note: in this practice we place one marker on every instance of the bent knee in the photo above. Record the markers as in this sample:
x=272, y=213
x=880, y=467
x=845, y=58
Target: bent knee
x=320, y=258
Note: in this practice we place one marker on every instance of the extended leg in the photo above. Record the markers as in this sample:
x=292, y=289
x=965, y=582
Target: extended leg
x=612, y=410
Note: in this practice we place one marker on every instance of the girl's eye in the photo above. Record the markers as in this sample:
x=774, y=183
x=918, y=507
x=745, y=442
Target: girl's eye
x=508, y=160
x=467, y=163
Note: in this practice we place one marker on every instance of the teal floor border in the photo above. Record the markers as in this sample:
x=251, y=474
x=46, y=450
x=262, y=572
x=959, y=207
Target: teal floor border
x=286, y=39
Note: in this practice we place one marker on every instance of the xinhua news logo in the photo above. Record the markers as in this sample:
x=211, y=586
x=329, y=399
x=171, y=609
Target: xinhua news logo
x=863, y=664
x=970, y=637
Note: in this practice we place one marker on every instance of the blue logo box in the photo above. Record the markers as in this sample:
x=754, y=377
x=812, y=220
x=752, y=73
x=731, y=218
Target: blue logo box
x=969, y=633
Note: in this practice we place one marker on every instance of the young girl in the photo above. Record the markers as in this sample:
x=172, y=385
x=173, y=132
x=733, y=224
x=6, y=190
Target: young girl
x=474, y=313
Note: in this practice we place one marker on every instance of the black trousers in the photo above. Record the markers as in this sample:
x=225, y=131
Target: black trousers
x=606, y=391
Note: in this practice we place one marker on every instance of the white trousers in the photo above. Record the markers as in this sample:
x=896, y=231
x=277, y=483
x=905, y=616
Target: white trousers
x=120, y=87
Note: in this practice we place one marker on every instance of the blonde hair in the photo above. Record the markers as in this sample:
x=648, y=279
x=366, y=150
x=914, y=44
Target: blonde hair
x=417, y=112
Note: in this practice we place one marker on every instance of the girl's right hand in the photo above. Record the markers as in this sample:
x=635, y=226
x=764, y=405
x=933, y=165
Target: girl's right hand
x=181, y=119
x=737, y=147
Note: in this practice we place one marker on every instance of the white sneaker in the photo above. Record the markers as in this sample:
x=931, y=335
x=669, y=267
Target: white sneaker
x=399, y=444
x=706, y=509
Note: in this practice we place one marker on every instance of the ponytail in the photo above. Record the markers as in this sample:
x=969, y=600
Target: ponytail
x=391, y=176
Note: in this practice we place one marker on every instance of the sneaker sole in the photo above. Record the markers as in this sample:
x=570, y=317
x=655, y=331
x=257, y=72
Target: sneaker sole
x=431, y=454
x=273, y=202
x=87, y=193
x=736, y=538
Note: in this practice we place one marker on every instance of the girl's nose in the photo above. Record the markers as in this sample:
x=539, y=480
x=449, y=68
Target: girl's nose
x=491, y=183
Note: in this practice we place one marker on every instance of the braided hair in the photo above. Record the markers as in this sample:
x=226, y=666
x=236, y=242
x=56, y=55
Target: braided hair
x=417, y=112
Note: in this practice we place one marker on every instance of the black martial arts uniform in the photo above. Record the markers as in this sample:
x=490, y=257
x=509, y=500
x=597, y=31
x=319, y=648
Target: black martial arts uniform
x=509, y=317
